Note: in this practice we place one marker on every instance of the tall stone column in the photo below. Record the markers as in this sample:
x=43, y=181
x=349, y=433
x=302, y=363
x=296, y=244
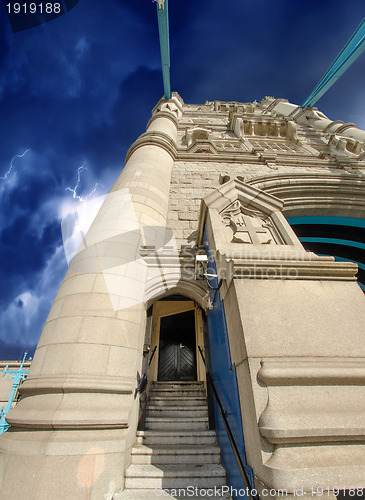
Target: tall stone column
x=72, y=431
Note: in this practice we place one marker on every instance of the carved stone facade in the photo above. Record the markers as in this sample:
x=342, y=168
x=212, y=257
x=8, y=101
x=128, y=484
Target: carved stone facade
x=249, y=226
x=230, y=174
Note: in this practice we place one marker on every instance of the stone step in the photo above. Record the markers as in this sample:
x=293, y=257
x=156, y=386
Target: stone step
x=181, y=393
x=179, y=438
x=187, y=454
x=177, y=385
x=185, y=412
x=159, y=423
x=171, y=494
x=175, y=401
x=177, y=451
x=175, y=476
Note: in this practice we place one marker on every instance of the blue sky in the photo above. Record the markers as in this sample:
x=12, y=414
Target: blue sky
x=78, y=91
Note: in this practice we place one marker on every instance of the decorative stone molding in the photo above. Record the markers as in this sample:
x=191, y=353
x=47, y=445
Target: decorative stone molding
x=313, y=371
x=345, y=146
x=173, y=106
x=203, y=147
x=259, y=126
x=169, y=107
x=308, y=266
x=78, y=383
x=249, y=226
x=323, y=194
x=235, y=107
x=223, y=178
x=254, y=217
x=197, y=134
x=322, y=416
x=154, y=138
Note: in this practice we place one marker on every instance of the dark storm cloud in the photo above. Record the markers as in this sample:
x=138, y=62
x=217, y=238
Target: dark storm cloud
x=64, y=89
x=25, y=253
x=137, y=95
x=14, y=351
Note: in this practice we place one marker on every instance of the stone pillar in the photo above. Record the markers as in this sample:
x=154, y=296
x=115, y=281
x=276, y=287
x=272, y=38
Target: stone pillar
x=71, y=433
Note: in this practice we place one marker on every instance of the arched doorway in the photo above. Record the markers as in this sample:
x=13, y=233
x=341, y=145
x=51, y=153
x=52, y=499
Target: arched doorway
x=176, y=341
x=177, y=348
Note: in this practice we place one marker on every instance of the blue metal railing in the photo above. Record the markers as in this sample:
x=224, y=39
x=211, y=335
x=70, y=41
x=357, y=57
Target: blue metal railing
x=240, y=464
x=18, y=376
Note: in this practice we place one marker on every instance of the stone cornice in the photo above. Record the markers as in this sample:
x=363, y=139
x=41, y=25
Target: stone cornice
x=154, y=139
x=315, y=416
x=302, y=159
x=85, y=425
x=163, y=114
x=80, y=384
x=294, y=269
x=313, y=371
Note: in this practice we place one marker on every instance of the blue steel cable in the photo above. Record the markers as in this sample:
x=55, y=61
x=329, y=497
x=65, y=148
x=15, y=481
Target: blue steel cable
x=352, y=50
x=163, y=29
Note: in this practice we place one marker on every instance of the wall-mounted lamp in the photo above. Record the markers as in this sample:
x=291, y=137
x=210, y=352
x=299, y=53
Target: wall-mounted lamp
x=224, y=272
x=201, y=271
x=201, y=266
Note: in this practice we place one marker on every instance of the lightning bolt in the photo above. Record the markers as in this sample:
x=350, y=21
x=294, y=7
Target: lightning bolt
x=12, y=164
x=74, y=190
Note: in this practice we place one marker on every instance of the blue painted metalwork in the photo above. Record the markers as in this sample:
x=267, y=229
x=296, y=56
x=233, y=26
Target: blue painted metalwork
x=225, y=380
x=354, y=47
x=18, y=376
x=163, y=30
x=331, y=242
x=322, y=219
x=335, y=241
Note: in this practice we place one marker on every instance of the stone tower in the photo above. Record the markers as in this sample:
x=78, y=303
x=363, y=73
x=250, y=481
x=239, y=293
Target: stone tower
x=219, y=179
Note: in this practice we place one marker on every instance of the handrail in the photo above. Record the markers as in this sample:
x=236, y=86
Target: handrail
x=153, y=353
x=202, y=355
x=237, y=456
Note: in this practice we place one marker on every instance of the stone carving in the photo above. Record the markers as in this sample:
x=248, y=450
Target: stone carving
x=224, y=177
x=276, y=146
x=258, y=128
x=249, y=226
x=344, y=146
x=196, y=134
x=169, y=107
x=229, y=146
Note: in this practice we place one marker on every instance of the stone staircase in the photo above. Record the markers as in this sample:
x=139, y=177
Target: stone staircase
x=177, y=451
